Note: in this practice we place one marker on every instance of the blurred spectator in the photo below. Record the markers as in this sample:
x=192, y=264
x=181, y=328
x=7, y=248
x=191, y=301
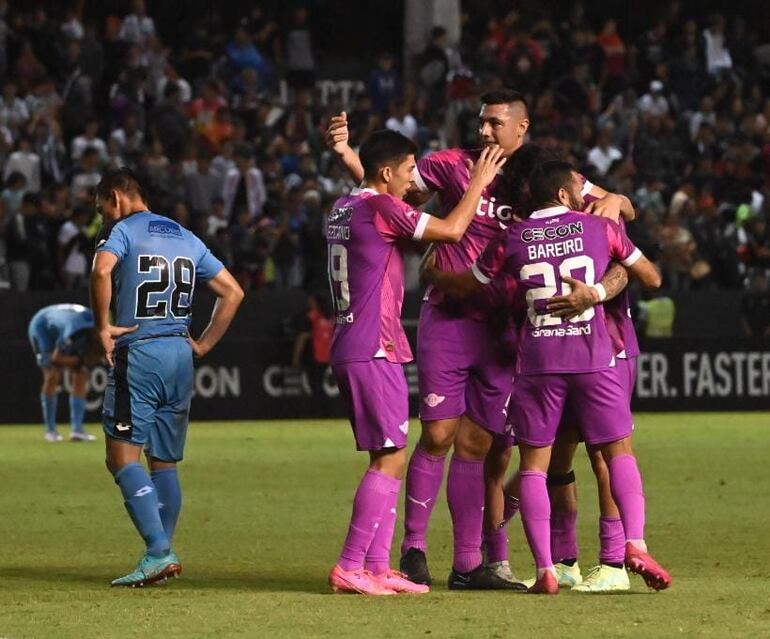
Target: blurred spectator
x=300, y=63
x=654, y=103
x=27, y=249
x=434, y=66
x=73, y=249
x=26, y=162
x=203, y=187
x=137, y=26
x=656, y=316
x=755, y=307
x=384, y=83
x=401, y=120
x=244, y=187
x=89, y=139
x=604, y=154
x=315, y=329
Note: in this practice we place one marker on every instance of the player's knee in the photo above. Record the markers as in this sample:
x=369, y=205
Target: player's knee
x=473, y=443
x=390, y=462
x=598, y=465
x=496, y=463
x=437, y=438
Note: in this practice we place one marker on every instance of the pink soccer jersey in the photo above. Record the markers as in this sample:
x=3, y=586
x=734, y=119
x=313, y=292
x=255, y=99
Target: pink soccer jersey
x=366, y=274
x=618, y=309
x=447, y=172
x=549, y=244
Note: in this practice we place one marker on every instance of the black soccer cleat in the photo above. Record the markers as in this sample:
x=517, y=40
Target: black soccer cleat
x=481, y=578
x=414, y=564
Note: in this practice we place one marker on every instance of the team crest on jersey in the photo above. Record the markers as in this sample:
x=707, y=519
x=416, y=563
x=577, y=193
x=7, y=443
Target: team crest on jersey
x=433, y=400
x=341, y=215
x=164, y=228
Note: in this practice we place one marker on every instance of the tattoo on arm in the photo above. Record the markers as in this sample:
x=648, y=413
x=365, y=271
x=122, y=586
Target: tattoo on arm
x=615, y=280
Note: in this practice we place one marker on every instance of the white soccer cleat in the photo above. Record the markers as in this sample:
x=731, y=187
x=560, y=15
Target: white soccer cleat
x=603, y=578
x=53, y=437
x=503, y=570
x=82, y=437
x=568, y=576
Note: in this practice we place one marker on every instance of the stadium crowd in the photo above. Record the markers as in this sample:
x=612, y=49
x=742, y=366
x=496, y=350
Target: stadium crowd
x=677, y=116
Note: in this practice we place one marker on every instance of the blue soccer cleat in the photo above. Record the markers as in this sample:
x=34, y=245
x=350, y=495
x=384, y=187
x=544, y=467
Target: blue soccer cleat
x=151, y=570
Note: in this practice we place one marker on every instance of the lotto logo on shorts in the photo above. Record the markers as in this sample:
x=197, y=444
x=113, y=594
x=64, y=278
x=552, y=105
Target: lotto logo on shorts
x=433, y=400
x=123, y=430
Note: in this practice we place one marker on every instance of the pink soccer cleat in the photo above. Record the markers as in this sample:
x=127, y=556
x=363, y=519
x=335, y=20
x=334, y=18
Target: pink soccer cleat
x=548, y=584
x=356, y=581
x=399, y=583
x=640, y=562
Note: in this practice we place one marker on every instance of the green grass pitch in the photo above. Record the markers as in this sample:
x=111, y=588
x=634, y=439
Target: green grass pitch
x=266, y=507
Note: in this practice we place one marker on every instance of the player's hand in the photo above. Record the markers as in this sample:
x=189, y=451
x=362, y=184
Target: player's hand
x=428, y=264
x=337, y=135
x=578, y=301
x=487, y=166
x=199, y=349
x=608, y=206
x=109, y=334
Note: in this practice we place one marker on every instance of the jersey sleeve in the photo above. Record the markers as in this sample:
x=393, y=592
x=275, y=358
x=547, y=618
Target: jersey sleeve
x=622, y=249
x=395, y=219
x=433, y=171
x=490, y=263
x=116, y=243
x=208, y=266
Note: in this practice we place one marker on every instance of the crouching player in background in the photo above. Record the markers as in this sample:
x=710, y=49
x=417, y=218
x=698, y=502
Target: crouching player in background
x=63, y=338
x=155, y=264
x=365, y=235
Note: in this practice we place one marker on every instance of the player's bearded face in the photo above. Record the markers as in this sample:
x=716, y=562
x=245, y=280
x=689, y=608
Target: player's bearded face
x=573, y=194
x=503, y=125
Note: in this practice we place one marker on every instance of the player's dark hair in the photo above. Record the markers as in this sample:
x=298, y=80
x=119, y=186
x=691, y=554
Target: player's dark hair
x=546, y=180
x=384, y=148
x=505, y=96
x=514, y=182
x=123, y=180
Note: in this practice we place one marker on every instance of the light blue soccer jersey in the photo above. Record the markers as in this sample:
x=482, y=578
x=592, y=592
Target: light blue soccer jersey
x=60, y=326
x=159, y=262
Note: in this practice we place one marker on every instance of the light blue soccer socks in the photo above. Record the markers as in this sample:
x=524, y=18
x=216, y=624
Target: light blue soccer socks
x=141, y=500
x=48, y=404
x=169, y=493
x=77, y=413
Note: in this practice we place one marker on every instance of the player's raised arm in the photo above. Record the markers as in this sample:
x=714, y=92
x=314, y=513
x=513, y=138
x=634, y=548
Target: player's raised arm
x=453, y=226
x=229, y=297
x=337, y=139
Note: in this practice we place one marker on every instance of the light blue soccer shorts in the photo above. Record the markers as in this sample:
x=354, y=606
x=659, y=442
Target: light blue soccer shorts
x=148, y=394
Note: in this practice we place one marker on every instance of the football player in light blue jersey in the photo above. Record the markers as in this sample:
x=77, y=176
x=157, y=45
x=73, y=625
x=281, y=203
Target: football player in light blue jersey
x=148, y=267
x=63, y=337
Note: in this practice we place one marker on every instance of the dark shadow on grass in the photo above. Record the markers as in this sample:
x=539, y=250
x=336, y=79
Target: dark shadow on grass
x=194, y=580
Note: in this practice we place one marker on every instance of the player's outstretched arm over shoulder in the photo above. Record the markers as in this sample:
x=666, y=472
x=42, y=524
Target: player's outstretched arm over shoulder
x=229, y=297
x=582, y=297
x=611, y=205
x=337, y=139
x=101, y=295
x=646, y=272
x=453, y=226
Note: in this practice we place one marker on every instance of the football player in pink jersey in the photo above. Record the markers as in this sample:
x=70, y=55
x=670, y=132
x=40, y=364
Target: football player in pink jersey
x=465, y=378
x=560, y=361
x=364, y=233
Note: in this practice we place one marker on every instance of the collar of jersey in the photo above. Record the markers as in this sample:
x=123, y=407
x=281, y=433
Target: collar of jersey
x=358, y=191
x=549, y=212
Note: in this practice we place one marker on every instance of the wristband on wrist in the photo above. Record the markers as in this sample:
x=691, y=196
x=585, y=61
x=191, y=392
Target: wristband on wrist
x=600, y=290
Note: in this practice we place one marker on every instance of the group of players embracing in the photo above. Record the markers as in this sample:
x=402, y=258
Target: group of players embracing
x=524, y=338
